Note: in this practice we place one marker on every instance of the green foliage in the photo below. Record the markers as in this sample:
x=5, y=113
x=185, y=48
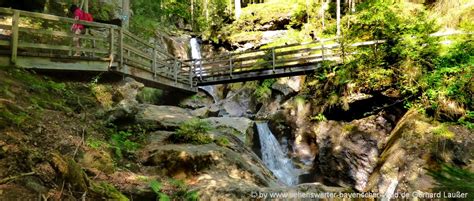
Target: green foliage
x=150, y=95
x=452, y=76
x=467, y=120
x=442, y=131
x=319, y=117
x=181, y=191
x=453, y=179
x=156, y=187
x=264, y=91
x=121, y=143
x=96, y=143
x=108, y=191
x=102, y=10
x=222, y=141
x=194, y=131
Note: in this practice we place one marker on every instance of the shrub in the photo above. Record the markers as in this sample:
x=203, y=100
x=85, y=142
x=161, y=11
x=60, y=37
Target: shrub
x=194, y=131
x=121, y=143
x=264, y=91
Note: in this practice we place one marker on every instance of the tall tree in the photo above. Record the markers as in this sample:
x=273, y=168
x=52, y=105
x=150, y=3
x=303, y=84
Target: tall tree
x=338, y=16
x=238, y=9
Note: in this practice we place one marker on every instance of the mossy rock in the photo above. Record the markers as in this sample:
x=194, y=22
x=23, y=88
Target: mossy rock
x=107, y=191
x=70, y=171
x=99, y=160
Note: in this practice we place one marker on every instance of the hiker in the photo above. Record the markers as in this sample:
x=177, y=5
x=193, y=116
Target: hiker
x=79, y=29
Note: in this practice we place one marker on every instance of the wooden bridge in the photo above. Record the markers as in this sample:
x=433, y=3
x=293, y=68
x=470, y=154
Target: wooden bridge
x=45, y=42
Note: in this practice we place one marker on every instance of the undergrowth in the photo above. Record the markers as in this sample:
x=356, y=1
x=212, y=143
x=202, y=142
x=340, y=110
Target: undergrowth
x=194, y=131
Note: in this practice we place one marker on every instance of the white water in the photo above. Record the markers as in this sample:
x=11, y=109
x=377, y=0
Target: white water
x=274, y=158
x=196, y=54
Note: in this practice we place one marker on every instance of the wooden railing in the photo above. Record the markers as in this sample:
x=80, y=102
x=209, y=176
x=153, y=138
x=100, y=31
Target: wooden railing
x=273, y=58
x=34, y=34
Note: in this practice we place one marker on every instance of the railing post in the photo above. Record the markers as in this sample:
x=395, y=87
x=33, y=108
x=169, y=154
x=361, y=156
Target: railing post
x=14, y=39
x=154, y=60
x=273, y=60
x=191, y=76
x=322, y=48
x=121, y=46
x=231, y=66
x=111, y=48
x=176, y=71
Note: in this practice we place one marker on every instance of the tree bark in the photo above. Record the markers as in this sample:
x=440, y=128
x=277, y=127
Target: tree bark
x=338, y=16
x=126, y=13
x=238, y=10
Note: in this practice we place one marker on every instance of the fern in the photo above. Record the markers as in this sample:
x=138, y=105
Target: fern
x=156, y=187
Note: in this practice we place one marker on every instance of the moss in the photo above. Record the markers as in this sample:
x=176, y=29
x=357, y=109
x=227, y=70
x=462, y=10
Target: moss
x=108, y=191
x=442, y=131
x=222, y=141
x=76, y=176
x=194, y=131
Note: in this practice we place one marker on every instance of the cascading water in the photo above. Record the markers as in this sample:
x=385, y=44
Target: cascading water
x=273, y=156
x=196, y=54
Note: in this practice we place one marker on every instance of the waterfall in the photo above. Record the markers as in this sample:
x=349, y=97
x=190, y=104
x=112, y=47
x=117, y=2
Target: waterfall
x=196, y=53
x=273, y=156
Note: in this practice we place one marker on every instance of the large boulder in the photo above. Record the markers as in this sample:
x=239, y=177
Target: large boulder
x=212, y=168
x=163, y=117
x=241, y=124
x=238, y=103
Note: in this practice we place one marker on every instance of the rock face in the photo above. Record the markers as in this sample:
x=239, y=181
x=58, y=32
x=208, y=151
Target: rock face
x=237, y=104
x=414, y=145
x=289, y=85
x=199, y=100
x=348, y=152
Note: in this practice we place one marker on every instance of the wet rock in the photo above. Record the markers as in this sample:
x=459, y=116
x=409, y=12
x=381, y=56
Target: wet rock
x=156, y=117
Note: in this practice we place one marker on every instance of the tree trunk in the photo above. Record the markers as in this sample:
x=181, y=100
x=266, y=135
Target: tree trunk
x=192, y=15
x=238, y=10
x=126, y=13
x=338, y=16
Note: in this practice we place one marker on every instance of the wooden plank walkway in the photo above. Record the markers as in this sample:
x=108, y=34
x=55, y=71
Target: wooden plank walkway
x=40, y=41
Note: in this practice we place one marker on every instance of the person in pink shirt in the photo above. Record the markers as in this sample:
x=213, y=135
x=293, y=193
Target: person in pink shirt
x=77, y=29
